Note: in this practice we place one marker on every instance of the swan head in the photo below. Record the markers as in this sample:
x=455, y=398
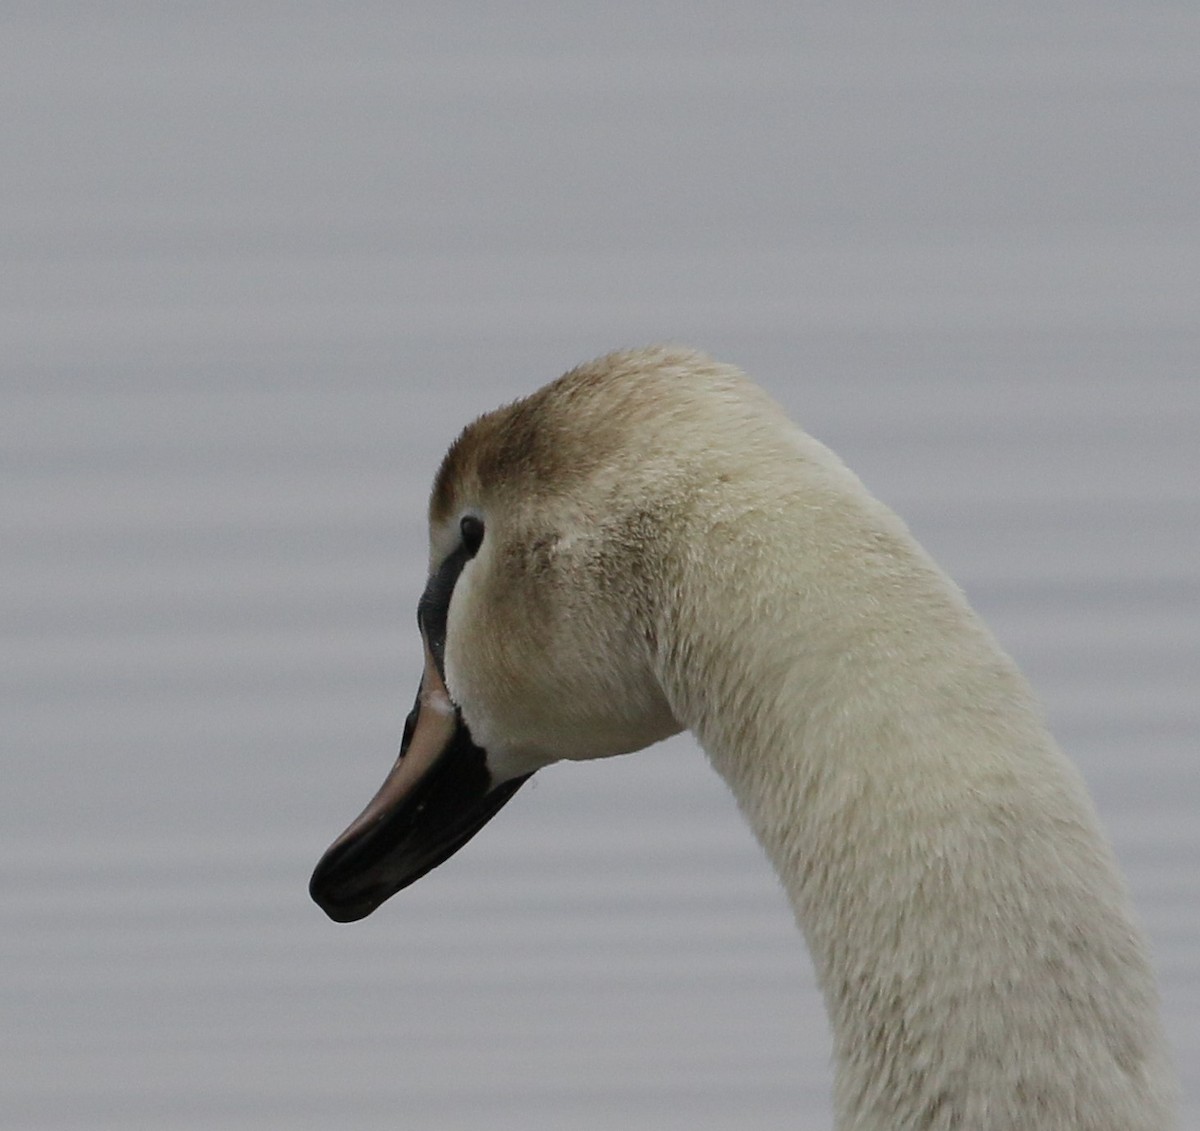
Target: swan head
x=553, y=523
x=647, y=542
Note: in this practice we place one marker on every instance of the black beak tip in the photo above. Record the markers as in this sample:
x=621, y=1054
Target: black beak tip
x=344, y=913
x=339, y=910
x=324, y=890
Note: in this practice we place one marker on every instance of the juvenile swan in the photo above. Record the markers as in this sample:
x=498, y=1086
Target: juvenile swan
x=648, y=544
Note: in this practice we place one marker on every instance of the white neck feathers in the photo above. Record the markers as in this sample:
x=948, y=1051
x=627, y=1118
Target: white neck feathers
x=970, y=932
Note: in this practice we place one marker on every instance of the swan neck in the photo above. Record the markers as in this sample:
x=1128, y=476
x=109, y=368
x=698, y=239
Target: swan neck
x=970, y=934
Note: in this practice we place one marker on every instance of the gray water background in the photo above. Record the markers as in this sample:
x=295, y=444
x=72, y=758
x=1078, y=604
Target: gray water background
x=258, y=265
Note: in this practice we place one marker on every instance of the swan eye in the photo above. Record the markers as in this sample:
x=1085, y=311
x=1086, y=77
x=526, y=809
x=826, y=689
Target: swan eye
x=471, y=529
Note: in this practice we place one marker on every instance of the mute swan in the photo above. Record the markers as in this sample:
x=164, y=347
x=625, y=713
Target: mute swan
x=648, y=544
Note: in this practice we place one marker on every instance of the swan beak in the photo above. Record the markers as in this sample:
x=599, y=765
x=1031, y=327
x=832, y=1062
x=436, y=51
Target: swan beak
x=437, y=796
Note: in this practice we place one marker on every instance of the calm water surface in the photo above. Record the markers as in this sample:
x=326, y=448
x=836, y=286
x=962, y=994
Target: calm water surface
x=262, y=264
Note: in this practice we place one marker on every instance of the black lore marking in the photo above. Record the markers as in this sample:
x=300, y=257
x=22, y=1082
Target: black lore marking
x=434, y=605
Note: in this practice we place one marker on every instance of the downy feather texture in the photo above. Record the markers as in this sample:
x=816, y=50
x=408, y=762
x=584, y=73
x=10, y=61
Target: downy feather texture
x=665, y=549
